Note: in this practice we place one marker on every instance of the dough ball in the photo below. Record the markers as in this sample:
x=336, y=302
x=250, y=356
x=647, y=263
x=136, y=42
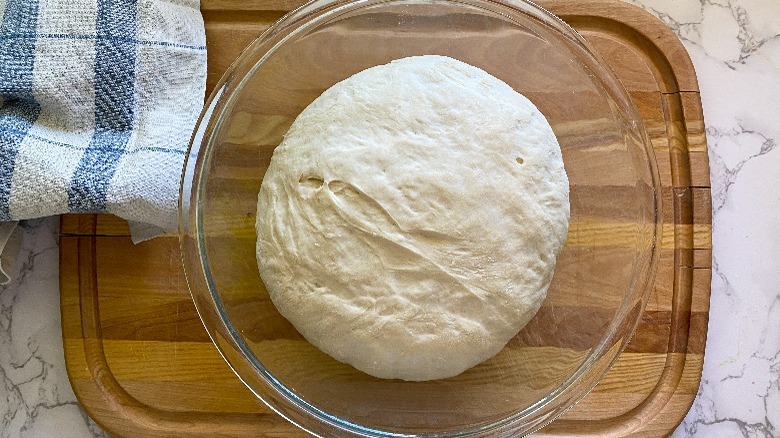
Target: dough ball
x=409, y=223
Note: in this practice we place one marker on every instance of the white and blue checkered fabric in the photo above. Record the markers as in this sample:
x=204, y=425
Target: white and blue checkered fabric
x=98, y=99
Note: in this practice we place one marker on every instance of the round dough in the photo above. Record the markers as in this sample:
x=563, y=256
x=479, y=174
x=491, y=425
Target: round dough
x=410, y=221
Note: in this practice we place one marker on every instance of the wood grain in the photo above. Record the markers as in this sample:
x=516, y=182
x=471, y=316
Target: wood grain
x=142, y=365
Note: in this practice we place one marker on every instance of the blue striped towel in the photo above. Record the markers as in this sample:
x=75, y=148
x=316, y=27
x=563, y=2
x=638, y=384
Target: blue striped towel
x=98, y=99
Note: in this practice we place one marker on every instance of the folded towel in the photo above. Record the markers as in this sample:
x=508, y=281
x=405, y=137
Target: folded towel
x=98, y=99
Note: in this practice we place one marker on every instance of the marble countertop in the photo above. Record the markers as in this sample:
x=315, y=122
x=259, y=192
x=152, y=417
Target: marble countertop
x=735, y=47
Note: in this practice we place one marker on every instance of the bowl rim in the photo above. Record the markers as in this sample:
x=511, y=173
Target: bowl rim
x=230, y=343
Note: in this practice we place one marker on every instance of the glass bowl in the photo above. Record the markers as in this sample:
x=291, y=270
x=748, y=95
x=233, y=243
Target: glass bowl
x=602, y=276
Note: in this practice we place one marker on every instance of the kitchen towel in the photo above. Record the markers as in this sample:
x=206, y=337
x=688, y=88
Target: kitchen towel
x=98, y=99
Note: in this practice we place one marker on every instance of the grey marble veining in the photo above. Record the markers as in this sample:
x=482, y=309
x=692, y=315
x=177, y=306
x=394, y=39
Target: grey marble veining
x=36, y=399
x=735, y=47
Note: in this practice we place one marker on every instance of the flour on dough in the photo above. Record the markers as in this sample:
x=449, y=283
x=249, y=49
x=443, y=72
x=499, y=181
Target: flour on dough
x=409, y=223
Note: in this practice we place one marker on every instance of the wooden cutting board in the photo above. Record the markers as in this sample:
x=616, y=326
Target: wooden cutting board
x=142, y=365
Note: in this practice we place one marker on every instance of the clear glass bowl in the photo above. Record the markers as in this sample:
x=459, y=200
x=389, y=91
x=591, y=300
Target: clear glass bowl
x=602, y=276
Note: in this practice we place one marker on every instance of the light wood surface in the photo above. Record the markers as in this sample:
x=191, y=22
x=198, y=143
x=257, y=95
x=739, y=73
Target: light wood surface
x=143, y=366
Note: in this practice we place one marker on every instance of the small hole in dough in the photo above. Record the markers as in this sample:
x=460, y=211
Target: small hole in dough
x=311, y=182
x=519, y=160
x=336, y=185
